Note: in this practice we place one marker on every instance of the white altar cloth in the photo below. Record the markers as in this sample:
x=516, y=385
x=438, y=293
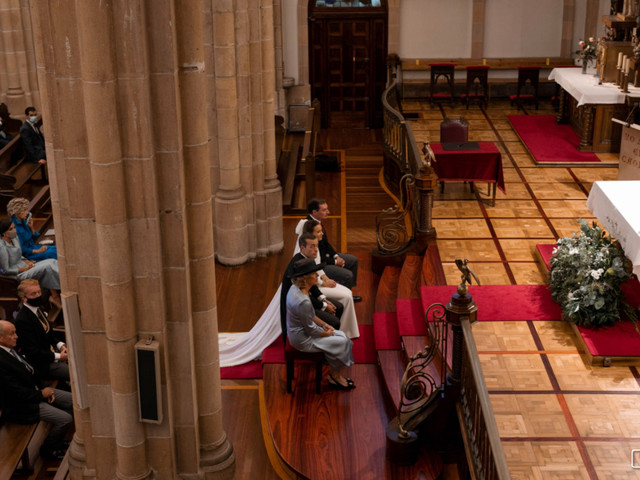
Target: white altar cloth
x=615, y=204
x=582, y=87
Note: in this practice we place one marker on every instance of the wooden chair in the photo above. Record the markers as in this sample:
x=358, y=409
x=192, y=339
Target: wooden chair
x=453, y=130
x=291, y=355
x=528, y=78
x=445, y=71
x=477, y=85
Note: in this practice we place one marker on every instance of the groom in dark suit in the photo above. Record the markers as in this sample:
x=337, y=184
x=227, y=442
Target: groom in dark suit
x=24, y=400
x=341, y=267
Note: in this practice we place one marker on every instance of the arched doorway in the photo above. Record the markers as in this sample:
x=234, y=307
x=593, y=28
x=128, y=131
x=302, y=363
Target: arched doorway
x=347, y=60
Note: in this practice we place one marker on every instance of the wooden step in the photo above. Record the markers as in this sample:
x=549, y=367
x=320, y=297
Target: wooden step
x=392, y=365
x=387, y=290
x=409, y=283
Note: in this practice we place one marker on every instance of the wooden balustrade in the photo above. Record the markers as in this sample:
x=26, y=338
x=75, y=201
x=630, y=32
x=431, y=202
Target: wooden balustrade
x=482, y=441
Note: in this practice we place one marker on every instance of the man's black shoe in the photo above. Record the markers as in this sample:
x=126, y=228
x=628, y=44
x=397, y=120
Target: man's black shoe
x=357, y=298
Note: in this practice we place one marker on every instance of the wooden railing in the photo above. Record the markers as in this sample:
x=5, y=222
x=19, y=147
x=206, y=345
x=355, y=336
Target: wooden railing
x=408, y=174
x=484, y=450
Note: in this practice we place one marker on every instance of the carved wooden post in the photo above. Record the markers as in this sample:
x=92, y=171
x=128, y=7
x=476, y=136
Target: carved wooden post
x=459, y=307
x=426, y=182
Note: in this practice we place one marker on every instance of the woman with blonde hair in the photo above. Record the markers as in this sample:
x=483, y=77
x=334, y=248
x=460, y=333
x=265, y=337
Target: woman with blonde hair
x=14, y=264
x=308, y=333
x=18, y=210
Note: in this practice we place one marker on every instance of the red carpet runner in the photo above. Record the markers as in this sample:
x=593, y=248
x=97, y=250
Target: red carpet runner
x=548, y=142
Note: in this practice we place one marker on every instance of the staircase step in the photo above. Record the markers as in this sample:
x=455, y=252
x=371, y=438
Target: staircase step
x=432, y=271
x=411, y=318
x=409, y=283
x=387, y=290
x=392, y=365
x=385, y=331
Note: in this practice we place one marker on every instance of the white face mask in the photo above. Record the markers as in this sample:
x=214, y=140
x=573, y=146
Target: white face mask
x=33, y=118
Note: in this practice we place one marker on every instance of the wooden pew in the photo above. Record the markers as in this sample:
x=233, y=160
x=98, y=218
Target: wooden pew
x=20, y=446
x=15, y=172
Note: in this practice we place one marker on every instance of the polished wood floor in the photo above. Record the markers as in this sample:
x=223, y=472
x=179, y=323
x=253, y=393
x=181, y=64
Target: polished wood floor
x=557, y=417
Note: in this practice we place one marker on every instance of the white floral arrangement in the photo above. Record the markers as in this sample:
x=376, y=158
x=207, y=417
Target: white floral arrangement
x=587, y=270
x=587, y=50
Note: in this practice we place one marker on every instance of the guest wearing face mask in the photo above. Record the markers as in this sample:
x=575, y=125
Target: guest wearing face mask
x=32, y=138
x=14, y=264
x=36, y=339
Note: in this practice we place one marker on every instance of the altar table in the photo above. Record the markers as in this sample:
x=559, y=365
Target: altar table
x=483, y=165
x=589, y=108
x=615, y=204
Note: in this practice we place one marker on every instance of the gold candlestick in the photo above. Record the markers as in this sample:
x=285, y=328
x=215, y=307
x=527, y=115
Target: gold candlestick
x=625, y=83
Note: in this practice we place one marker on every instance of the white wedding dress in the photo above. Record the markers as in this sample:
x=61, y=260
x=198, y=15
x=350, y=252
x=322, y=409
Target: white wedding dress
x=240, y=348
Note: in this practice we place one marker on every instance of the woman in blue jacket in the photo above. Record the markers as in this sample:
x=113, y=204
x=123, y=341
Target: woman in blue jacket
x=18, y=210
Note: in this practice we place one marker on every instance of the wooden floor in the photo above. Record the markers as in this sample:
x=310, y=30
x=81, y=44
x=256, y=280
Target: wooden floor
x=557, y=417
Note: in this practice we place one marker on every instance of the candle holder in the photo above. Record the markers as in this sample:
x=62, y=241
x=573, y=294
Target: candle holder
x=625, y=83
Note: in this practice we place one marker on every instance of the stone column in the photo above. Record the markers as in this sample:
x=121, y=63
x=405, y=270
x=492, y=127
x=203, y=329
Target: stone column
x=11, y=33
x=98, y=63
x=216, y=453
x=232, y=243
x=272, y=191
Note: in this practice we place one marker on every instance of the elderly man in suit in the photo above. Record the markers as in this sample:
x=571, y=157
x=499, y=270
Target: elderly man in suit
x=37, y=340
x=25, y=400
x=341, y=267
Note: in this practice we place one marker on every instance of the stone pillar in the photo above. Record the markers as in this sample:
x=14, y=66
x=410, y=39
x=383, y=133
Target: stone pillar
x=272, y=190
x=129, y=166
x=11, y=34
x=99, y=69
x=216, y=453
x=232, y=243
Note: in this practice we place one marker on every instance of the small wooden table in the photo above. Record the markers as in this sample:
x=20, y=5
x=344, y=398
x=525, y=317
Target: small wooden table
x=481, y=165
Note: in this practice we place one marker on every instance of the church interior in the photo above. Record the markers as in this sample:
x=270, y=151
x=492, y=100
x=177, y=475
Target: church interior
x=184, y=141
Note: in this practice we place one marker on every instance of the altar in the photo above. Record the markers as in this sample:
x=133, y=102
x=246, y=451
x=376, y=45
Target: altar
x=615, y=204
x=589, y=108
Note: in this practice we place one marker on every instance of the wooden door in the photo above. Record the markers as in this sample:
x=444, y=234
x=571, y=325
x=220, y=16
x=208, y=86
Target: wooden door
x=347, y=67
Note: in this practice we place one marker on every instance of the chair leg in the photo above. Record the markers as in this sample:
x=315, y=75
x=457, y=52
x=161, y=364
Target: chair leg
x=289, y=375
x=441, y=187
x=318, y=377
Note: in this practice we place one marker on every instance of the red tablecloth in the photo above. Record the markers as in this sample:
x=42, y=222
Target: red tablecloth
x=483, y=165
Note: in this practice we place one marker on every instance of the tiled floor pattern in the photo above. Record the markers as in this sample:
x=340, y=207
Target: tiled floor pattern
x=557, y=417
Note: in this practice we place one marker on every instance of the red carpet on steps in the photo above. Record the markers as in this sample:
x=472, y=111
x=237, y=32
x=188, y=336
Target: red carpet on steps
x=501, y=302
x=549, y=142
x=363, y=352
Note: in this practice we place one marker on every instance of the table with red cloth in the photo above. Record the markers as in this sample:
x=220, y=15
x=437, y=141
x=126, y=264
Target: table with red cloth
x=481, y=165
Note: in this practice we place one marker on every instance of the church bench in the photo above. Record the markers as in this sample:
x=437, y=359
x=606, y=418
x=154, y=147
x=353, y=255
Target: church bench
x=15, y=171
x=20, y=445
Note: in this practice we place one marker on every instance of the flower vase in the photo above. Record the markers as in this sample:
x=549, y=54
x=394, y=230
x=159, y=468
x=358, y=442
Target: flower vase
x=585, y=64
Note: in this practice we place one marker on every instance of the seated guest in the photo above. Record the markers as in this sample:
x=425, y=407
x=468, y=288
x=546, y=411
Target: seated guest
x=308, y=333
x=5, y=137
x=332, y=289
x=328, y=310
x=13, y=263
x=341, y=267
x=18, y=210
x=24, y=399
x=32, y=138
x=36, y=339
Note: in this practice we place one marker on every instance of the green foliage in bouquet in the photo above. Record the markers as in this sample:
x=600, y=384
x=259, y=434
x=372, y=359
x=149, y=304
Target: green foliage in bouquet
x=587, y=270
